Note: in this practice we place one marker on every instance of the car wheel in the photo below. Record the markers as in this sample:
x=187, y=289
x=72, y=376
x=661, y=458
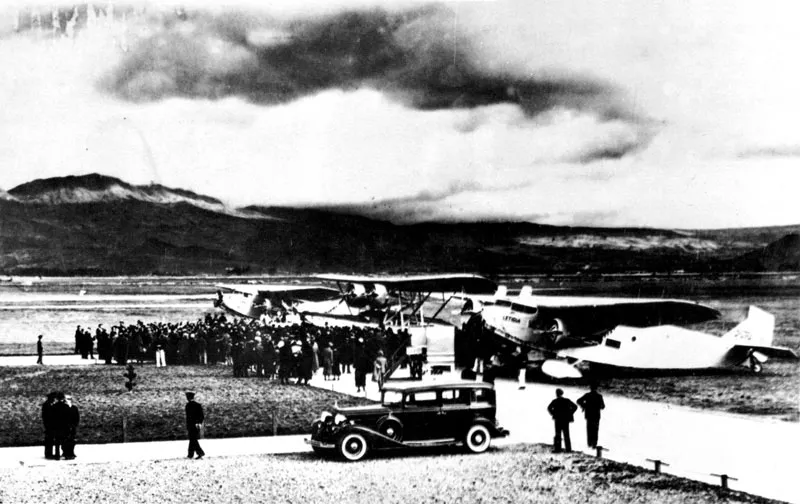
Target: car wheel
x=477, y=439
x=352, y=447
x=392, y=429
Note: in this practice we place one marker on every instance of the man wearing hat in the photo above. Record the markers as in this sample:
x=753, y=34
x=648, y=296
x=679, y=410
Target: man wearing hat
x=49, y=424
x=194, y=424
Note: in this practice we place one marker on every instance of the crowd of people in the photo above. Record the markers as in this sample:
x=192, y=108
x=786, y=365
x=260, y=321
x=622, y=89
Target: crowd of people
x=287, y=352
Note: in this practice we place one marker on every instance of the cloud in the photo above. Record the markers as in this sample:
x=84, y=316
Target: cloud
x=413, y=55
x=563, y=112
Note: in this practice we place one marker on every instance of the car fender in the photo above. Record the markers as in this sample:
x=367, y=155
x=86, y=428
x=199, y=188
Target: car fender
x=494, y=429
x=375, y=438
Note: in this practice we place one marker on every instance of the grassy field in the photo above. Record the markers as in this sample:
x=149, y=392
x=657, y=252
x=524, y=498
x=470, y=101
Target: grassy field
x=234, y=407
x=512, y=474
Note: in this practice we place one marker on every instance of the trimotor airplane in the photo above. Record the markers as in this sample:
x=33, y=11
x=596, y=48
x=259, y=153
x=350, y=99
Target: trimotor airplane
x=390, y=301
x=629, y=333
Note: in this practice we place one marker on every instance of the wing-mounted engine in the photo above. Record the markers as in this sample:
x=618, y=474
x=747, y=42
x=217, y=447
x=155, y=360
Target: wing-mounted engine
x=371, y=296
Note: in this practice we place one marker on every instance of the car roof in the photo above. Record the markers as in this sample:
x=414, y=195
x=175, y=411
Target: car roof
x=437, y=385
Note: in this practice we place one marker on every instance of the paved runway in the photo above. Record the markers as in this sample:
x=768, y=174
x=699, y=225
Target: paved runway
x=760, y=453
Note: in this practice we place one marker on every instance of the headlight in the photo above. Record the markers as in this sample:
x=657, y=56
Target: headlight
x=339, y=418
x=324, y=416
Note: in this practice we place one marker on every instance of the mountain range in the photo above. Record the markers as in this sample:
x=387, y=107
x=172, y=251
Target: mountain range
x=100, y=225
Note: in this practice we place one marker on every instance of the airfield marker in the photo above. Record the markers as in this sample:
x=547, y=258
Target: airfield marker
x=657, y=463
x=724, y=480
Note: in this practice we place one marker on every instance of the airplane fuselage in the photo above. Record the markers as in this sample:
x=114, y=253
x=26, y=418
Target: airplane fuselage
x=660, y=347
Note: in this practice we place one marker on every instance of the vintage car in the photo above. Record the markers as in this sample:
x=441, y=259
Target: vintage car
x=411, y=414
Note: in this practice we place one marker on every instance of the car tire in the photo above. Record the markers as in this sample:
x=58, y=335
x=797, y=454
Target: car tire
x=392, y=429
x=477, y=439
x=352, y=447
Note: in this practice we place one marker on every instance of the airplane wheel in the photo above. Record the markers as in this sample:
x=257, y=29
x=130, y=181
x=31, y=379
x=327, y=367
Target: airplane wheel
x=352, y=447
x=392, y=429
x=477, y=439
x=756, y=366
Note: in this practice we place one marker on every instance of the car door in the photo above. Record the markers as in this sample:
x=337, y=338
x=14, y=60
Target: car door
x=421, y=415
x=455, y=416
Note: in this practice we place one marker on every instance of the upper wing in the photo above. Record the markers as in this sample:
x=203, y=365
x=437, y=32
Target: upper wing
x=595, y=313
x=304, y=292
x=423, y=283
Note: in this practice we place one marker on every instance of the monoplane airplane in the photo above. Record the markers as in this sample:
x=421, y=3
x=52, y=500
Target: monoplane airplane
x=631, y=333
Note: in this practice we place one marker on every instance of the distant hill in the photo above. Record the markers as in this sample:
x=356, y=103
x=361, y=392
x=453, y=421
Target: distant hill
x=100, y=225
x=781, y=255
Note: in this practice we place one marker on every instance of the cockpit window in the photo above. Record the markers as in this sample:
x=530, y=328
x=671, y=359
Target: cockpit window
x=612, y=343
x=503, y=303
x=524, y=308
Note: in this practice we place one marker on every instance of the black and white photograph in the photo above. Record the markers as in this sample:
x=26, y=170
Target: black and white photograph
x=399, y=251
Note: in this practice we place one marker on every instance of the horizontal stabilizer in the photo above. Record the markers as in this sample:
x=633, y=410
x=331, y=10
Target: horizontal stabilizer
x=768, y=351
x=560, y=369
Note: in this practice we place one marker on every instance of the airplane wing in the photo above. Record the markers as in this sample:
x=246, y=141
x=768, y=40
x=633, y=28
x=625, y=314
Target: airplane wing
x=583, y=314
x=304, y=292
x=421, y=283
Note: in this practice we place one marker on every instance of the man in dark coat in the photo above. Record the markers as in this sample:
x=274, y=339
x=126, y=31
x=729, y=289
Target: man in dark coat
x=591, y=403
x=40, y=351
x=194, y=424
x=49, y=425
x=562, y=411
x=61, y=417
x=72, y=418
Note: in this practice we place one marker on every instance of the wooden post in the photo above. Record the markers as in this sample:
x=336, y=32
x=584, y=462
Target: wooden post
x=124, y=428
x=724, y=480
x=657, y=463
x=600, y=451
x=275, y=422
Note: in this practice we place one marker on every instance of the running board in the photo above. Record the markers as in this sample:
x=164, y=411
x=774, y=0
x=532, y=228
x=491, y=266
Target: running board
x=431, y=442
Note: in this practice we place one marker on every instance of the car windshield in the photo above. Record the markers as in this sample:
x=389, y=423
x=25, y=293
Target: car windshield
x=392, y=397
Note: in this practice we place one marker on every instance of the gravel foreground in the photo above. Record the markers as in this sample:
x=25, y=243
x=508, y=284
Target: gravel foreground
x=522, y=473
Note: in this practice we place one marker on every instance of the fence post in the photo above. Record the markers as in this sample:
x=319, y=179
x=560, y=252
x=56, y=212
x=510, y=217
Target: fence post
x=124, y=428
x=275, y=422
x=724, y=480
x=657, y=463
x=600, y=451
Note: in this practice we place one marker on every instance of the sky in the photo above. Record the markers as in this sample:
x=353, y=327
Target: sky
x=628, y=113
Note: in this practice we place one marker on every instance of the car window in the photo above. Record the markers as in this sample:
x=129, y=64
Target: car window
x=420, y=399
x=457, y=396
x=483, y=396
x=392, y=398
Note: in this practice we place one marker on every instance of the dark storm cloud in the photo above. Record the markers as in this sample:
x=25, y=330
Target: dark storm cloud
x=413, y=56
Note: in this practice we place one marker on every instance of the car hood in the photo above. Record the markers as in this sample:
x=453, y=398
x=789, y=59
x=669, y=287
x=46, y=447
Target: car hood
x=366, y=410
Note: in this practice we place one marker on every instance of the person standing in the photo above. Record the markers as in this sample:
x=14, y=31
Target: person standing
x=521, y=361
x=591, y=403
x=327, y=362
x=562, y=411
x=361, y=363
x=61, y=414
x=194, y=424
x=49, y=425
x=40, y=351
x=72, y=418
x=379, y=369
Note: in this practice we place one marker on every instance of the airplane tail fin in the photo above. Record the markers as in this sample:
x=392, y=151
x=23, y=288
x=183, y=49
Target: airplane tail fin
x=526, y=291
x=756, y=330
x=502, y=291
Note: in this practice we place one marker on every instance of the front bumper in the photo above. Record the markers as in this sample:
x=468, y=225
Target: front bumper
x=319, y=444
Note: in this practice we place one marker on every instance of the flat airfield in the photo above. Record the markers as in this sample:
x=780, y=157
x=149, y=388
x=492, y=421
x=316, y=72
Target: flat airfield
x=695, y=443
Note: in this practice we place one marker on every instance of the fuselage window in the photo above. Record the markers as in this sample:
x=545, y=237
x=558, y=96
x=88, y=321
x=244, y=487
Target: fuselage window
x=503, y=303
x=612, y=343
